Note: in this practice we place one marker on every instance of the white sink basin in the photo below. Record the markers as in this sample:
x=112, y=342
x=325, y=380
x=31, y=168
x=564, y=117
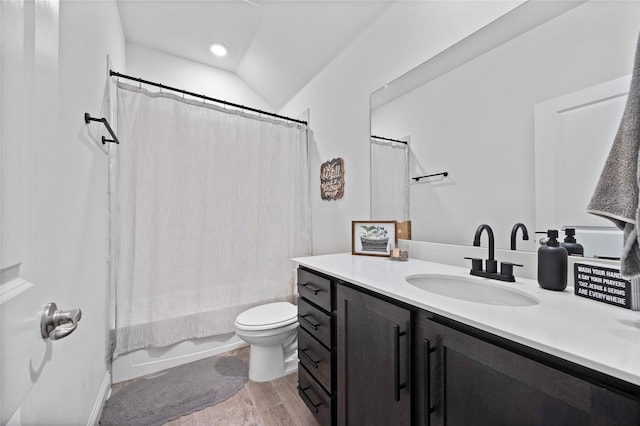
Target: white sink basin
x=472, y=290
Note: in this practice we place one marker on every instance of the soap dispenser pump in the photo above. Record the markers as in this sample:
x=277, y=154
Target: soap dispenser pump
x=570, y=243
x=552, y=263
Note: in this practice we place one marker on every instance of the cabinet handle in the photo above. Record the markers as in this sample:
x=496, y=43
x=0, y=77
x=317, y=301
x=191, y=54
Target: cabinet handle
x=311, y=324
x=428, y=409
x=308, y=358
x=396, y=362
x=307, y=286
x=313, y=407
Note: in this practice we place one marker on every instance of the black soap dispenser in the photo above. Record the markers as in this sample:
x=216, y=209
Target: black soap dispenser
x=570, y=243
x=552, y=263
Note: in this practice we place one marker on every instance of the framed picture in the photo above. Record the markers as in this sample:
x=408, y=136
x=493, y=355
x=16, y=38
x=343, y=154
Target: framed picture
x=373, y=237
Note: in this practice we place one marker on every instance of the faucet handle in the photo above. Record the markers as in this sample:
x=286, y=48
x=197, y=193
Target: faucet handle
x=491, y=266
x=476, y=263
x=506, y=268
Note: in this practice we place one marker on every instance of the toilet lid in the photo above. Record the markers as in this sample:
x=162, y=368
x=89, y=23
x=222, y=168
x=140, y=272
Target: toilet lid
x=271, y=315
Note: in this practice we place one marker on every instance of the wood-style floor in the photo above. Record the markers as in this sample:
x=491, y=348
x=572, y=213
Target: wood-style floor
x=274, y=403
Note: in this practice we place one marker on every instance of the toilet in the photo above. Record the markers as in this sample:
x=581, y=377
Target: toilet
x=271, y=330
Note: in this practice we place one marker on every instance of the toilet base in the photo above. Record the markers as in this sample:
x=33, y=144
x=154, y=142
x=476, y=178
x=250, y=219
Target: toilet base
x=267, y=363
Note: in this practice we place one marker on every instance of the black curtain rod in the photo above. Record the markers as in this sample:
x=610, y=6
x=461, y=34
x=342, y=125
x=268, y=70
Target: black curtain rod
x=185, y=92
x=388, y=139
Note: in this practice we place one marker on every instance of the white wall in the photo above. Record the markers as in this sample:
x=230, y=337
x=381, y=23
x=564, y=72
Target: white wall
x=477, y=121
x=61, y=71
x=407, y=34
x=159, y=67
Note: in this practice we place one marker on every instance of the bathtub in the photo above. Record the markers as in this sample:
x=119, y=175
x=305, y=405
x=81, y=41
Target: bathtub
x=151, y=360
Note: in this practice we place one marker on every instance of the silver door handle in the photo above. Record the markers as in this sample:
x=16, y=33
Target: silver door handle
x=57, y=324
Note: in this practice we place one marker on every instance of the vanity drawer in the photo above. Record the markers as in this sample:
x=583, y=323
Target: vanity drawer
x=315, y=288
x=315, y=357
x=314, y=321
x=314, y=397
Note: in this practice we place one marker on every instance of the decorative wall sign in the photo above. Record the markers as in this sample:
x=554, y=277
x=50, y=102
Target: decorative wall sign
x=602, y=284
x=332, y=179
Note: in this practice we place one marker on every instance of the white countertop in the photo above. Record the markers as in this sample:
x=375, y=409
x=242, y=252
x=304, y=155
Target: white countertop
x=596, y=335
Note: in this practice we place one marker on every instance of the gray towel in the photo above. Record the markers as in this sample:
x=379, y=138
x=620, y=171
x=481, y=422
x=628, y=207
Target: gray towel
x=616, y=194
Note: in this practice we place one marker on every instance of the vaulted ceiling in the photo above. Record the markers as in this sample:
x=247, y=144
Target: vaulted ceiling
x=276, y=47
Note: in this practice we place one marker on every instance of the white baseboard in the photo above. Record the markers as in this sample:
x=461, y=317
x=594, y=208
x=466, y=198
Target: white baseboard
x=103, y=395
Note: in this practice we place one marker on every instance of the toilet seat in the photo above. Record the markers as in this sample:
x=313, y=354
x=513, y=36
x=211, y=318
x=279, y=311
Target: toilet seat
x=269, y=316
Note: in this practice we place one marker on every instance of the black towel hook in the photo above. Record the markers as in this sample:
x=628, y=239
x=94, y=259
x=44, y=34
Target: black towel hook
x=88, y=118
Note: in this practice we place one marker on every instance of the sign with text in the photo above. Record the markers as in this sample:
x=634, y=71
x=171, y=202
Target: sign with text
x=602, y=284
x=332, y=179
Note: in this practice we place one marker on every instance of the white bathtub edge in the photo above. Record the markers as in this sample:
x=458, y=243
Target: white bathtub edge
x=142, y=362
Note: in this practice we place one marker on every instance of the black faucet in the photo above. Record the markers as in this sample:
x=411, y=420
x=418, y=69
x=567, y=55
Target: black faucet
x=491, y=262
x=514, y=231
x=491, y=270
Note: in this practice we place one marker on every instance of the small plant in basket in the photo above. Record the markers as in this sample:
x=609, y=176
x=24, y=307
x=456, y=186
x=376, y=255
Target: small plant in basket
x=374, y=238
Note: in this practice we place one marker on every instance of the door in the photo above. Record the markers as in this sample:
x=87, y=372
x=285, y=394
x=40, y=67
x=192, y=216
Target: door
x=28, y=371
x=573, y=137
x=465, y=380
x=469, y=381
x=373, y=361
x=45, y=255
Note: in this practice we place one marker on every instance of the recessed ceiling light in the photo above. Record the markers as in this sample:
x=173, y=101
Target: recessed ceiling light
x=218, y=49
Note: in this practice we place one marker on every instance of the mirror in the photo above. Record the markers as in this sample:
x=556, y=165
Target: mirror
x=389, y=177
x=470, y=111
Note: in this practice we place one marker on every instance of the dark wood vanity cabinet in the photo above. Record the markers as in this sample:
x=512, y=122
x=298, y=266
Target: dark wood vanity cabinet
x=366, y=359
x=465, y=380
x=373, y=360
x=316, y=343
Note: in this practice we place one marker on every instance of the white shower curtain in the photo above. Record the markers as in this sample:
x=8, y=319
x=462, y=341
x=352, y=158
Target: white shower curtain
x=208, y=208
x=389, y=180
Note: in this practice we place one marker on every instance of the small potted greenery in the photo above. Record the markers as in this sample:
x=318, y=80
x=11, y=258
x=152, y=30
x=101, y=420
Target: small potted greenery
x=374, y=238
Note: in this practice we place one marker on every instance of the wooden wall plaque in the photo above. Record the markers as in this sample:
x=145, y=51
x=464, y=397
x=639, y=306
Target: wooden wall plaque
x=332, y=179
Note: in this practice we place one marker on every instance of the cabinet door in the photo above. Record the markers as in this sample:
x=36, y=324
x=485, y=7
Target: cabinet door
x=374, y=366
x=463, y=380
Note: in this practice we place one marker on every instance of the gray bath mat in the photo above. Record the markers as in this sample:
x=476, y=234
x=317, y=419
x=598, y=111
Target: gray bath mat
x=167, y=395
